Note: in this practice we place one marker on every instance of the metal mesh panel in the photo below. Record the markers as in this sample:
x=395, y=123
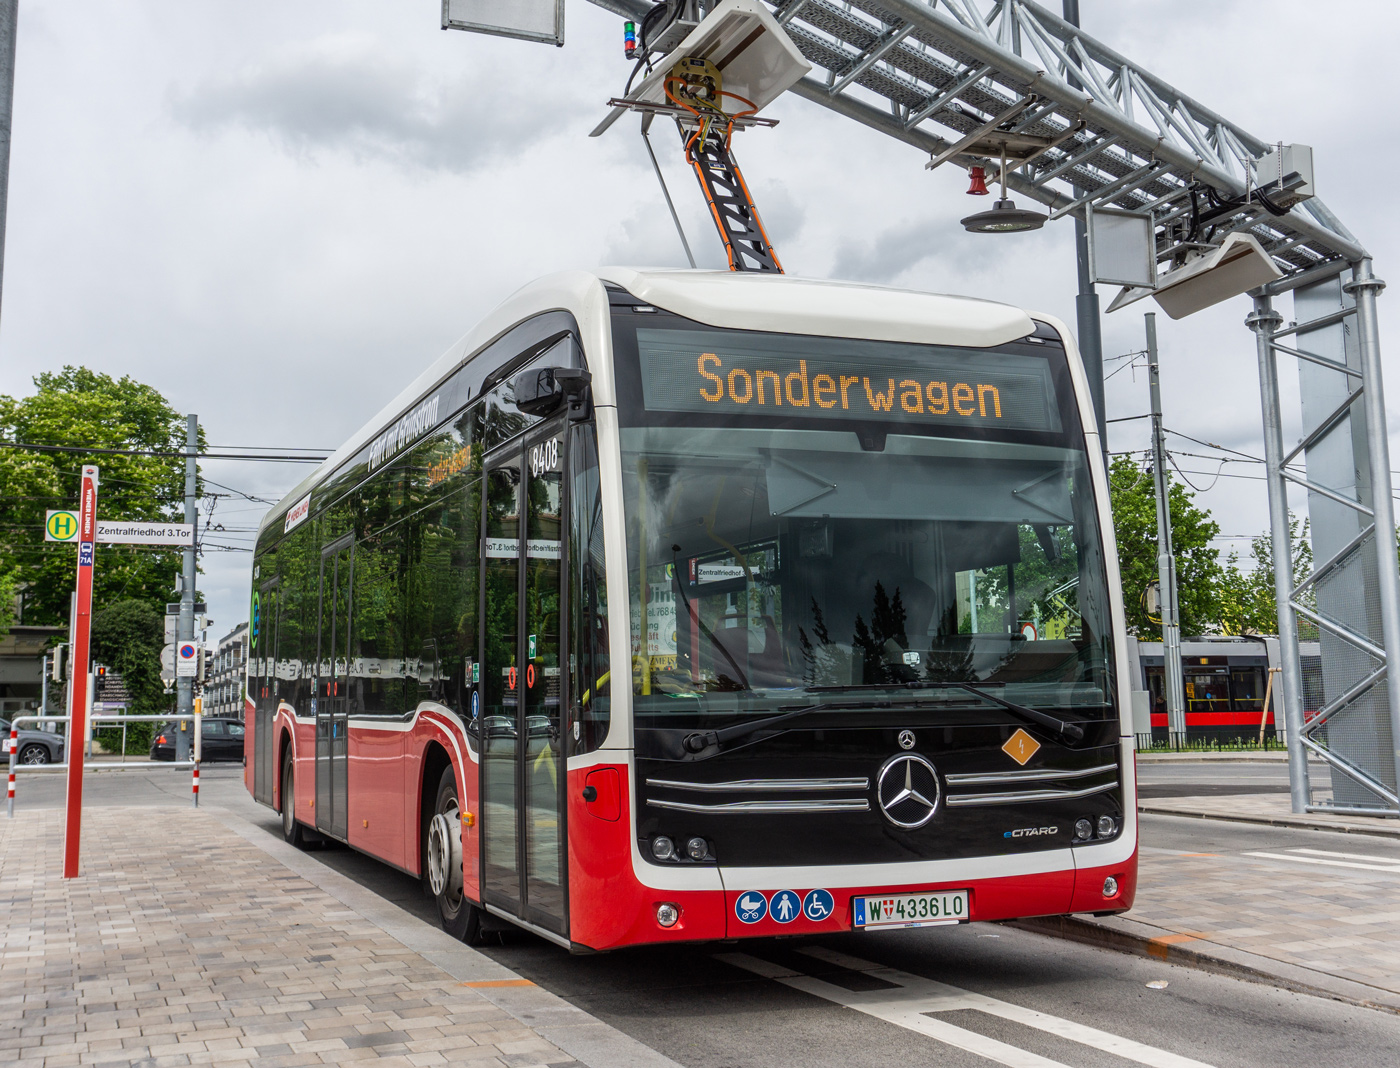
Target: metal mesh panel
x=533, y=20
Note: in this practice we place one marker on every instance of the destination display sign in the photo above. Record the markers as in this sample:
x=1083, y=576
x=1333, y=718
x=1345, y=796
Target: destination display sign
x=773, y=375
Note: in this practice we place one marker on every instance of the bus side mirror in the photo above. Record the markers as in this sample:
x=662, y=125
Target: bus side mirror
x=542, y=391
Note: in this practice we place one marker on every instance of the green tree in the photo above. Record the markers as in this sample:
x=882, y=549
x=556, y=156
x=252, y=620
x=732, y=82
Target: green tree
x=77, y=406
x=1247, y=604
x=8, y=582
x=1197, y=564
x=127, y=636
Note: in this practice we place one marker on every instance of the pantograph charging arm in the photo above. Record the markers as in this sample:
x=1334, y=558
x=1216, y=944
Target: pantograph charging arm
x=731, y=207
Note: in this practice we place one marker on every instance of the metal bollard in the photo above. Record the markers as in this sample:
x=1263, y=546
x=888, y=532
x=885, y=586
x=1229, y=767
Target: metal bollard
x=196, y=786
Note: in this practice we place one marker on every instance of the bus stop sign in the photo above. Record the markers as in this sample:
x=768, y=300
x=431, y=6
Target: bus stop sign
x=61, y=526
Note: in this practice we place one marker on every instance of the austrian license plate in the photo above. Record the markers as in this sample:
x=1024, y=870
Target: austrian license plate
x=911, y=910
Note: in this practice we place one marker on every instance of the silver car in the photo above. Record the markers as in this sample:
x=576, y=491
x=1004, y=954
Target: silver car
x=33, y=747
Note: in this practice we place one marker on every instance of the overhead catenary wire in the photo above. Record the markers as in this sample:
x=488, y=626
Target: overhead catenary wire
x=87, y=450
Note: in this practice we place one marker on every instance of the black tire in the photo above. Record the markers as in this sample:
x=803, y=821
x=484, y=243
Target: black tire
x=292, y=831
x=442, y=832
x=34, y=755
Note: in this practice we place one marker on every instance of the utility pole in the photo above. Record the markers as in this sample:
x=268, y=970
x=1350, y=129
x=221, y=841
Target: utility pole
x=9, y=20
x=184, y=685
x=1166, y=559
x=1086, y=304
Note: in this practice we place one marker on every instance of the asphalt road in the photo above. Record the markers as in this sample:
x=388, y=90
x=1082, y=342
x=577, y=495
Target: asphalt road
x=961, y=996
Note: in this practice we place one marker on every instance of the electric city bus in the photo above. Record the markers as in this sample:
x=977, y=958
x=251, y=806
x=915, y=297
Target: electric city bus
x=686, y=605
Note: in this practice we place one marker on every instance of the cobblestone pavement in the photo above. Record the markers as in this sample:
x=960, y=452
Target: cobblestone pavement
x=1326, y=903
x=182, y=943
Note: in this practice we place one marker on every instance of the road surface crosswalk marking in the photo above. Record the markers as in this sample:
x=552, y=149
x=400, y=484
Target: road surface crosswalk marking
x=1335, y=860
x=914, y=998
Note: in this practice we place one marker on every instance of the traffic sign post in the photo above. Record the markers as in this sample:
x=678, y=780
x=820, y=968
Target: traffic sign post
x=78, y=692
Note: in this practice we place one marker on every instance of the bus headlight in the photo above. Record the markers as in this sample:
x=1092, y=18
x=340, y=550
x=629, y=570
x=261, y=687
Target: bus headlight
x=662, y=848
x=697, y=848
x=1110, y=887
x=1083, y=828
x=1108, y=826
x=667, y=914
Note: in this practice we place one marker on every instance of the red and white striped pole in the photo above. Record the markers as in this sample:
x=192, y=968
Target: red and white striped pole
x=10, y=794
x=78, y=691
x=198, y=750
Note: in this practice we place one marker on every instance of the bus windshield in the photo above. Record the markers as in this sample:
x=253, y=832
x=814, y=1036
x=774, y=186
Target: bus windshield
x=815, y=520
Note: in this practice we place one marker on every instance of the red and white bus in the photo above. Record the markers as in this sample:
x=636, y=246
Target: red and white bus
x=683, y=605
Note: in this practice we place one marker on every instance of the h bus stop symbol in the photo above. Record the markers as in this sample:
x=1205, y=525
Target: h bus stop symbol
x=61, y=526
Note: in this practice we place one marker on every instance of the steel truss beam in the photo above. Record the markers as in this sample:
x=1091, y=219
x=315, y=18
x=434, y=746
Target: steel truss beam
x=932, y=72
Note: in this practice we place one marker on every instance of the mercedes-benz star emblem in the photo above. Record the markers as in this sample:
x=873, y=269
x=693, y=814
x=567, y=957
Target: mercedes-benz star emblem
x=906, y=739
x=908, y=791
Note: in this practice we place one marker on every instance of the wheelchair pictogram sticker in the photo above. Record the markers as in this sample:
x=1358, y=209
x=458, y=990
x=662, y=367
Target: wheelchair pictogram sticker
x=818, y=905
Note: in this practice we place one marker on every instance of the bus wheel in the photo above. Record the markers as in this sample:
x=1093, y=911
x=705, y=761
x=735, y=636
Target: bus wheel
x=460, y=918
x=292, y=831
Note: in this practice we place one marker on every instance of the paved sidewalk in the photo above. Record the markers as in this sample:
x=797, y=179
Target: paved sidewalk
x=193, y=937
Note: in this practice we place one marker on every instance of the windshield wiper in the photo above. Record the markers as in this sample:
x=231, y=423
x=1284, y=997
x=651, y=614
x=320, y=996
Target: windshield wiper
x=699, y=741
x=1063, y=727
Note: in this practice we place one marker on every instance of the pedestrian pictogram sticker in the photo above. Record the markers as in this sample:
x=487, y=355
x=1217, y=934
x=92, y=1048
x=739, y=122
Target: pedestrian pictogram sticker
x=750, y=906
x=785, y=906
x=1020, y=747
x=61, y=526
x=818, y=905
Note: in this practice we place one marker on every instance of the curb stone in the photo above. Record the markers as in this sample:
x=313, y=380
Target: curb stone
x=1386, y=829
x=1146, y=940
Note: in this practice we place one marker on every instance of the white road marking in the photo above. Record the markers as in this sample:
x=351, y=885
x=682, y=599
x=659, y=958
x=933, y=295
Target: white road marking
x=915, y=996
x=1348, y=856
x=1392, y=868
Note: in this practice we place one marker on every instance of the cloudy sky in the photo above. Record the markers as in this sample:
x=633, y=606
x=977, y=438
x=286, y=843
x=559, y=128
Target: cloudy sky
x=277, y=211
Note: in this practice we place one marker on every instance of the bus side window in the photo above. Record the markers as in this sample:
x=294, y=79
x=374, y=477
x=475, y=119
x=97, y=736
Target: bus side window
x=588, y=623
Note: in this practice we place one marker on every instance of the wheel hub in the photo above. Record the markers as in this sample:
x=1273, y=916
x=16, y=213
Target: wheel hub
x=445, y=854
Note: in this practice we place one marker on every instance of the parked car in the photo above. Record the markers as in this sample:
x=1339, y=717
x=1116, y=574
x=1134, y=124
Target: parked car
x=34, y=747
x=221, y=739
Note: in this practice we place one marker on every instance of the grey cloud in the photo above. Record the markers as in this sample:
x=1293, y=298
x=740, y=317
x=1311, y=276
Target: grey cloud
x=899, y=249
x=327, y=97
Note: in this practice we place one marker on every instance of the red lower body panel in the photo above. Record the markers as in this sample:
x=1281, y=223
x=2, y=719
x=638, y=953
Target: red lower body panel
x=610, y=908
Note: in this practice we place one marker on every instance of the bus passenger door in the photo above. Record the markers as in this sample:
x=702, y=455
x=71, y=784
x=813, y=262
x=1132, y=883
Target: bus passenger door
x=263, y=685
x=500, y=687
x=542, y=741
x=521, y=727
x=331, y=701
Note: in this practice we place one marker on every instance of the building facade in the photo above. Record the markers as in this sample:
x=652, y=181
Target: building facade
x=223, y=679
x=22, y=668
